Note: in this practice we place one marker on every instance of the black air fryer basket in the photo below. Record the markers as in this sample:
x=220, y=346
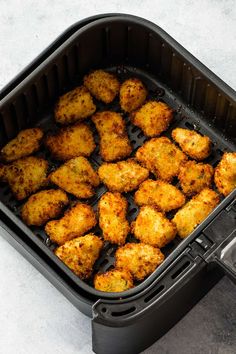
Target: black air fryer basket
x=128, y=322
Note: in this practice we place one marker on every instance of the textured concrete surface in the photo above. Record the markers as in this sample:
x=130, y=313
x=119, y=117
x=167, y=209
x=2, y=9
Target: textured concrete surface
x=35, y=317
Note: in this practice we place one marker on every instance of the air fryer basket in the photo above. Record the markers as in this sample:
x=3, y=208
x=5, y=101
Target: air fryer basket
x=128, y=46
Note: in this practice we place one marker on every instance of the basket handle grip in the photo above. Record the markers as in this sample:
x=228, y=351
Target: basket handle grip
x=225, y=256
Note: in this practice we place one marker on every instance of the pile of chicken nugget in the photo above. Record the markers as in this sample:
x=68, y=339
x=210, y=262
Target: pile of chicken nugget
x=149, y=174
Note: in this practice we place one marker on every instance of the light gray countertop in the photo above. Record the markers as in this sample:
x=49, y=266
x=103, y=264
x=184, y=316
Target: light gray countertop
x=35, y=317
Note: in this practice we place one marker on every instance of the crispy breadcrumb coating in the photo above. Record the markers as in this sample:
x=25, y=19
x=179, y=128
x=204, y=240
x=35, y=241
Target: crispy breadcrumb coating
x=161, y=157
x=102, y=85
x=159, y=193
x=25, y=176
x=43, y=206
x=153, y=118
x=77, y=177
x=75, y=140
x=2, y=173
x=75, y=222
x=225, y=173
x=133, y=93
x=194, y=177
x=112, y=209
x=195, y=211
x=75, y=105
x=139, y=259
x=115, y=280
x=152, y=227
x=25, y=143
x=123, y=176
x=193, y=144
x=80, y=254
x=114, y=141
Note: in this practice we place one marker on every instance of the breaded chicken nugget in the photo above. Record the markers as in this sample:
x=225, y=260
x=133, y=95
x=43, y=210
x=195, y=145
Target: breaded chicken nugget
x=152, y=227
x=225, y=173
x=114, y=280
x=43, y=206
x=193, y=144
x=123, y=176
x=25, y=143
x=75, y=140
x=2, y=173
x=159, y=193
x=109, y=122
x=25, y=176
x=80, y=254
x=75, y=105
x=102, y=85
x=133, y=93
x=114, y=141
x=195, y=211
x=112, y=209
x=75, y=222
x=195, y=176
x=161, y=157
x=139, y=259
x=77, y=177
x=153, y=118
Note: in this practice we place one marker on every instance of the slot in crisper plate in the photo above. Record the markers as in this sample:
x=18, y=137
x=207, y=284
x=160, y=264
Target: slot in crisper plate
x=168, y=78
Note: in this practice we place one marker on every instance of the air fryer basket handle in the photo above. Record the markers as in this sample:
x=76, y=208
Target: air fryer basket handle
x=222, y=233
x=225, y=256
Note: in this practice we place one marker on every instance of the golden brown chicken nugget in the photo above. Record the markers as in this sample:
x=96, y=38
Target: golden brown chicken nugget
x=225, y=173
x=75, y=140
x=153, y=118
x=195, y=176
x=25, y=143
x=123, y=176
x=112, y=217
x=152, y=227
x=75, y=222
x=133, y=93
x=114, y=141
x=161, y=157
x=163, y=195
x=195, y=211
x=43, y=206
x=77, y=177
x=75, y=105
x=25, y=176
x=80, y=254
x=193, y=144
x=2, y=173
x=114, y=280
x=139, y=259
x=102, y=85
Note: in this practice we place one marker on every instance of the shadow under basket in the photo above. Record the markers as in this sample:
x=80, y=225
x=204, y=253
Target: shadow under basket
x=129, y=46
